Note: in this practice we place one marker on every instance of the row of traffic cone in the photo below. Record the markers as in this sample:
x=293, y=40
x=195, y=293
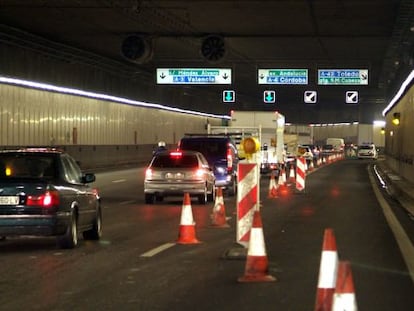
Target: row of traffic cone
x=186, y=234
x=335, y=284
x=256, y=268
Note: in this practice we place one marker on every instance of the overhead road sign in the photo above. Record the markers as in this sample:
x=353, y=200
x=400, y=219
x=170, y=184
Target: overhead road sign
x=310, y=97
x=194, y=76
x=269, y=97
x=282, y=76
x=351, y=97
x=343, y=76
x=229, y=96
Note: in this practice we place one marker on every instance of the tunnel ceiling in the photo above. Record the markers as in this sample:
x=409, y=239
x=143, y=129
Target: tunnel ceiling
x=242, y=35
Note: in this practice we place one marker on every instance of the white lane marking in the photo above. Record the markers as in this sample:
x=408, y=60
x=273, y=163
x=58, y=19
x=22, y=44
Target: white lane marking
x=404, y=243
x=118, y=181
x=157, y=250
x=127, y=202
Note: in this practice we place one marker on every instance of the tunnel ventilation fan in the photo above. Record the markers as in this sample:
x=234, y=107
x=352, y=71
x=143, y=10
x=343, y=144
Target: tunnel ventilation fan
x=213, y=48
x=136, y=49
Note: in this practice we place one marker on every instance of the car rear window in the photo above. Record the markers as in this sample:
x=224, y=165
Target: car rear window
x=208, y=147
x=26, y=166
x=183, y=161
x=366, y=147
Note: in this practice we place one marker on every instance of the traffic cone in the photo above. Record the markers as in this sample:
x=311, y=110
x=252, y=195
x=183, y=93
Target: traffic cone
x=256, y=269
x=281, y=185
x=272, y=187
x=218, y=217
x=292, y=178
x=186, y=233
x=327, y=272
x=344, y=296
x=284, y=175
x=311, y=166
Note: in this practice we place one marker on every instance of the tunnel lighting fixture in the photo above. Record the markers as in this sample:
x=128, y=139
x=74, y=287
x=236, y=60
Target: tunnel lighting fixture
x=396, y=118
x=400, y=92
x=64, y=90
x=382, y=130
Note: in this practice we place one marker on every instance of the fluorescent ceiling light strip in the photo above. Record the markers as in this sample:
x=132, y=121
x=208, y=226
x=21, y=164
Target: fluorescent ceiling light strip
x=59, y=89
x=399, y=93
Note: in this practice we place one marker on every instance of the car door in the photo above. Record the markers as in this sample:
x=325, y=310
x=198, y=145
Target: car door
x=79, y=192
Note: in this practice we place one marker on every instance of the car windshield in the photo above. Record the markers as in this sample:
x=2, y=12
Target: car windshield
x=26, y=166
x=169, y=161
x=366, y=147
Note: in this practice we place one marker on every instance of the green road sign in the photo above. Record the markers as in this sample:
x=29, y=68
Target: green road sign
x=282, y=76
x=343, y=76
x=194, y=76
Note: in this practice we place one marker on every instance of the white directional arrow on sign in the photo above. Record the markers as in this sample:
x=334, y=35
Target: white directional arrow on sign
x=351, y=97
x=310, y=97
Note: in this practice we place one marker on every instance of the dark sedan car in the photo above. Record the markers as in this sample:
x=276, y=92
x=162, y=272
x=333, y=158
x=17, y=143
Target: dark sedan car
x=44, y=193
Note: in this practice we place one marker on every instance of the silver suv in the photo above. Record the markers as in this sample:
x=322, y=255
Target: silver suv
x=172, y=173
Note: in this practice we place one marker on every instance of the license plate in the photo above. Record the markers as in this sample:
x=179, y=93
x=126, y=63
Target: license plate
x=9, y=200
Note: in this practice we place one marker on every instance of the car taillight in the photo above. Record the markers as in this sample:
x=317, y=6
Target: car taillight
x=148, y=173
x=48, y=199
x=199, y=173
x=176, y=154
x=229, y=160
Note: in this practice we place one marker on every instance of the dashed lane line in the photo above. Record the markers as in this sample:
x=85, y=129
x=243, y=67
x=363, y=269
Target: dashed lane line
x=157, y=250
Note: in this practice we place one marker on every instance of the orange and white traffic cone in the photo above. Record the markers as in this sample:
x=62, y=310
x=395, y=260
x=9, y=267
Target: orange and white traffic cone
x=292, y=177
x=186, y=233
x=272, y=187
x=327, y=272
x=257, y=266
x=218, y=218
x=311, y=166
x=284, y=179
x=281, y=185
x=344, y=296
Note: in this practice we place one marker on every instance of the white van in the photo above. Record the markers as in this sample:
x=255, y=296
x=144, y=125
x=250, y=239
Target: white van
x=337, y=143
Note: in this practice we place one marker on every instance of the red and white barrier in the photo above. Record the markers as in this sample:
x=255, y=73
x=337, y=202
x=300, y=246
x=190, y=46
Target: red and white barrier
x=300, y=173
x=247, y=200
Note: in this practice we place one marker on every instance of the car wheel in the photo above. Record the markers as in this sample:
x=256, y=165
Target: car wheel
x=202, y=198
x=149, y=198
x=70, y=238
x=96, y=232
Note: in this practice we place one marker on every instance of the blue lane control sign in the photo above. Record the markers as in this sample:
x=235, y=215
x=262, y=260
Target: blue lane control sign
x=343, y=76
x=194, y=76
x=282, y=76
x=229, y=96
x=269, y=97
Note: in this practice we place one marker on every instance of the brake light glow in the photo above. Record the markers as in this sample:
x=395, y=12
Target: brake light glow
x=48, y=199
x=176, y=154
x=229, y=160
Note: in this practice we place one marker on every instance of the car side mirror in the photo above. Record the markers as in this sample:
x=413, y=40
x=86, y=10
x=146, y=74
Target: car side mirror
x=88, y=178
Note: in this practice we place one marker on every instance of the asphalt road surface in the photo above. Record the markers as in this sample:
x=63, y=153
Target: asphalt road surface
x=139, y=266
